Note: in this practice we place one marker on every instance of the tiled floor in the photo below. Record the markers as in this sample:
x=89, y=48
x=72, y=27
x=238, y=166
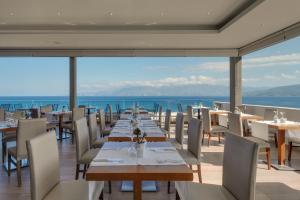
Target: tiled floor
x=271, y=184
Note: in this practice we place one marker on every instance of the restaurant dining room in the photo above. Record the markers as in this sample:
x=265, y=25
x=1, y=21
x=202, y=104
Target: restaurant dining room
x=153, y=100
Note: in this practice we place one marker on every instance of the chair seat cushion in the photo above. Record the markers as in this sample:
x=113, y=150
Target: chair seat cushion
x=76, y=190
x=99, y=142
x=218, y=129
x=67, y=126
x=196, y=191
x=260, y=142
x=188, y=157
x=88, y=156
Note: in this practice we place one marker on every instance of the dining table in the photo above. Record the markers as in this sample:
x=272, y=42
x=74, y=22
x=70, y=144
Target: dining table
x=126, y=161
x=123, y=131
x=60, y=115
x=282, y=128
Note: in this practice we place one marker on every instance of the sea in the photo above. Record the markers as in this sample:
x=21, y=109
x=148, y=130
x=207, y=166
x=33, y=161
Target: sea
x=167, y=102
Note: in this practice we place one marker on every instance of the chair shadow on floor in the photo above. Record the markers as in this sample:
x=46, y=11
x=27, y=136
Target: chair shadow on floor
x=275, y=190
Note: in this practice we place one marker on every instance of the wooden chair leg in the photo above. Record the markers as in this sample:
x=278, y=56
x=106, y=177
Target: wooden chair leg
x=169, y=187
x=290, y=151
x=3, y=151
x=275, y=136
x=268, y=155
x=199, y=173
x=109, y=187
x=77, y=171
x=177, y=196
x=203, y=137
x=19, y=173
x=84, y=170
x=219, y=137
x=208, y=142
x=9, y=164
x=101, y=196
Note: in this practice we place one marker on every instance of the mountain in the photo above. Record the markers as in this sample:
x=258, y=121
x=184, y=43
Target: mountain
x=175, y=90
x=283, y=91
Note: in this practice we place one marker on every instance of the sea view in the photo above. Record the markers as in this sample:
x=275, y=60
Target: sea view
x=167, y=102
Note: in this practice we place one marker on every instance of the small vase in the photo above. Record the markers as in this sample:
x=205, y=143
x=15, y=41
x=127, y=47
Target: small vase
x=140, y=148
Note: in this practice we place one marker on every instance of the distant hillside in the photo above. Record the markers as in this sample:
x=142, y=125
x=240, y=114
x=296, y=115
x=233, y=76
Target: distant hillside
x=285, y=91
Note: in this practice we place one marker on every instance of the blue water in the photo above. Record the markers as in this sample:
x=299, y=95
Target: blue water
x=146, y=102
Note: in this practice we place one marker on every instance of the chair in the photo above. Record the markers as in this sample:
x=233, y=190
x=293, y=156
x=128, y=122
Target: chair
x=239, y=174
x=178, y=140
x=109, y=115
x=84, y=155
x=104, y=131
x=189, y=112
x=45, y=177
x=77, y=113
x=35, y=113
x=27, y=129
x=167, y=123
x=208, y=128
x=269, y=115
x=159, y=120
x=95, y=141
x=17, y=107
x=2, y=114
x=292, y=137
x=259, y=133
x=6, y=107
x=55, y=107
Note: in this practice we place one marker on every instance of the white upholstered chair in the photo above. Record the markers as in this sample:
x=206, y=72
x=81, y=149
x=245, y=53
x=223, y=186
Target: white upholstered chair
x=84, y=155
x=167, y=123
x=95, y=140
x=179, y=131
x=269, y=115
x=104, y=130
x=292, y=137
x=239, y=174
x=45, y=177
x=210, y=130
x=2, y=114
x=27, y=129
x=189, y=113
x=260, y=134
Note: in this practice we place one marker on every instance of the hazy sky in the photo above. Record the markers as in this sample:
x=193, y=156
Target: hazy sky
x=273, y=66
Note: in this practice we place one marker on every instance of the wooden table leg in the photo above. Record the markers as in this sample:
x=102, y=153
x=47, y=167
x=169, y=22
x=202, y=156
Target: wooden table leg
x=281, y=147
x=137, y=193
x=60, y=119
x=199, y=115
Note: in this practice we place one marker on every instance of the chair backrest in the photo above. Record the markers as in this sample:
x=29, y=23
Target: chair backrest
x=260, y=130
x=55, y=107
x=102, y=119
x=189, y=113
x=17, y=106
x=160, y=115
x=44, y=164
x=223, y=120
x=235, y=124
x=195, y=137
x=108, y=114
x=2, y=114
x=206, y=118
x=93, y=128
x=77, y=113
x=28, y=129
x=19, y=114
x=82, y=137
x=239, y=167
x=269, y=114
x=6, y=107
x=179, y=128
x=167, y=120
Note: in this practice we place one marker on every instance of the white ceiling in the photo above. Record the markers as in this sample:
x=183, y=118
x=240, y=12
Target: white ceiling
x=141, y=24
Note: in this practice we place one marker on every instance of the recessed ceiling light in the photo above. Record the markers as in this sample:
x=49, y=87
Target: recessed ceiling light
x=162, y=14
x=56, y=42
x=2, y=23
x=70, y=23
x=110, y=13
x=12, y=14
x=208, y=13
x=58, y=13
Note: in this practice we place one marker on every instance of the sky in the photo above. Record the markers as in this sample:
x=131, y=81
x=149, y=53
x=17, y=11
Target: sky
x=273, y=66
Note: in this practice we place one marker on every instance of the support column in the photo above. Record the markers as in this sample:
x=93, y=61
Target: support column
x=235, y=82
x=73, y=83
